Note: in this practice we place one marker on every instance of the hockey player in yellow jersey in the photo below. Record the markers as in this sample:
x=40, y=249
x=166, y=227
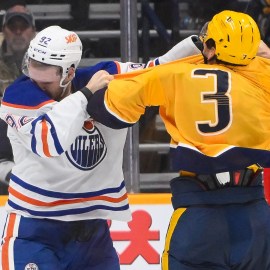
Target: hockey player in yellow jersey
x=216, y=110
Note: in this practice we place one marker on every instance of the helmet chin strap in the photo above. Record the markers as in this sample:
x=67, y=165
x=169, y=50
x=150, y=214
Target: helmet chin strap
x=64, y=85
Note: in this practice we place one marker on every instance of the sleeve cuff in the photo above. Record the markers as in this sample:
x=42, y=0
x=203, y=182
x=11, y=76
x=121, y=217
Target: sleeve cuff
x=88, y=94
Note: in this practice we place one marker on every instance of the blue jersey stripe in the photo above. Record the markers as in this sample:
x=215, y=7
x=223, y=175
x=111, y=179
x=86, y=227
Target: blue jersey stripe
x=60, y=195
x=68, y=211
x=33, y=140
x=57, y=144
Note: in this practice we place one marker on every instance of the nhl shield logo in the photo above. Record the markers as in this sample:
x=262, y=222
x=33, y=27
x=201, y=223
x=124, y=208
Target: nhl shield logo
x=31, y=266
x=88, y=150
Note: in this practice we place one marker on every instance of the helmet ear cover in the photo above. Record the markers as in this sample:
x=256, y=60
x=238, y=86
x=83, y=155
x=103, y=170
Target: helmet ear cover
x=236, y=37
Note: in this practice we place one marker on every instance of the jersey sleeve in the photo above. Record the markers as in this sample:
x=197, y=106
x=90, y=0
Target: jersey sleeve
x=124, y=101
x=187, y=47
x=44, y=126
x=84, y=74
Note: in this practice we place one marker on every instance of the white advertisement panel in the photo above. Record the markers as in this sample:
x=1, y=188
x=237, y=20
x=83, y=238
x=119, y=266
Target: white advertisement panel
x=140, y=242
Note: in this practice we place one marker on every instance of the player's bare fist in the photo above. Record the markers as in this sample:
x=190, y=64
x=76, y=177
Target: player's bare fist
x=99, y=80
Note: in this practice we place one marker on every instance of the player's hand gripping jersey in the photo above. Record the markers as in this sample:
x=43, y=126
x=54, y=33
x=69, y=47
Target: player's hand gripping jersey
x=208, y=131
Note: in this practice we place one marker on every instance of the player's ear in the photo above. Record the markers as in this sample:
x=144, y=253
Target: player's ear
x=211, y=53
x=71, y=73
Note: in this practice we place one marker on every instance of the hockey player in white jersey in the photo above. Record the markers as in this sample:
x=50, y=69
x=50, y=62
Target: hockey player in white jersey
x=67, y=179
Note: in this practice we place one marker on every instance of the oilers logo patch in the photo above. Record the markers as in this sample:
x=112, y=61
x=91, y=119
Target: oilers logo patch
x=88, y=150
x=31, y=266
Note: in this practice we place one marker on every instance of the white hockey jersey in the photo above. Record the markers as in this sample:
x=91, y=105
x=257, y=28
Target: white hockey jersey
x=67, y=166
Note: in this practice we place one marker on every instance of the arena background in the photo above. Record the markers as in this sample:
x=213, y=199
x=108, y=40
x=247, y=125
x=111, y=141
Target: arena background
x=139, y=30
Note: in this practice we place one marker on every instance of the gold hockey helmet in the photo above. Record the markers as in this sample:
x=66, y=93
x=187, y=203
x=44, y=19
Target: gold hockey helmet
x=236, y=35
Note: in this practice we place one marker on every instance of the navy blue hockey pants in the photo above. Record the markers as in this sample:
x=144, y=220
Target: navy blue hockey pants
x=233, y=236
x=57, y=245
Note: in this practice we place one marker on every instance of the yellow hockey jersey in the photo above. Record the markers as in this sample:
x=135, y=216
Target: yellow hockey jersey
x=218, y=116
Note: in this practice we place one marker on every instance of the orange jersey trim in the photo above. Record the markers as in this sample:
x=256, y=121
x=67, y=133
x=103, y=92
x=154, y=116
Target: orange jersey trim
x=27, y=107
x=5, y=253
x=44, y=135
x=64, y=202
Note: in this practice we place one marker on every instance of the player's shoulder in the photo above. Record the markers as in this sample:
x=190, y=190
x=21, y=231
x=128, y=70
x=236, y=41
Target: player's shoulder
x=178, y=67
x=84, y=74
x=24, y=93
x=109, y=66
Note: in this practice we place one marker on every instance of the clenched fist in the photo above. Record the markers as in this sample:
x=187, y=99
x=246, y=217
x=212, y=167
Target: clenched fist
x=99, y=80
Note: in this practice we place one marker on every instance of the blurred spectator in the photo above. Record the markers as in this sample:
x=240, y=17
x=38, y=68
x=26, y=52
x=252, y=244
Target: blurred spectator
x=18, y=28
x=262, y=16
x=79, y=11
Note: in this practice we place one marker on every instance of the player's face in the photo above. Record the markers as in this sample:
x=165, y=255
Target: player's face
x=203, y=36
x=51, y=88
x=47, y=78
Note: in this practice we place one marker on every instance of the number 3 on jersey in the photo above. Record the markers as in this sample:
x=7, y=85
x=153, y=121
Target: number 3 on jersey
x=220, y=96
